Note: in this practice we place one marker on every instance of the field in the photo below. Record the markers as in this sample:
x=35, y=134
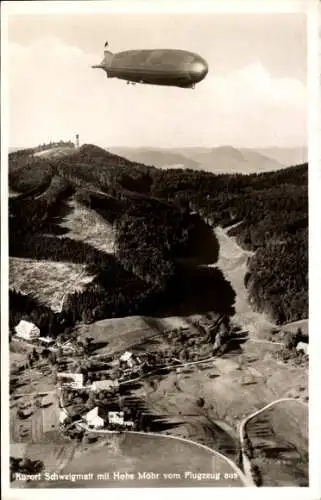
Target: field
x=36, y=436
x=118, y=334
x=37, y=427
x=283, y=380
x=36, y=379
x=232, y=387
x=133, y=454
x=279, y=437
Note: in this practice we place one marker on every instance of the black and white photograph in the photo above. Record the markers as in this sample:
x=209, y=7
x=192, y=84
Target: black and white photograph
x=156, y=182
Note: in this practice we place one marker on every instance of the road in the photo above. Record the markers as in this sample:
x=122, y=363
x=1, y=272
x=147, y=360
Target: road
x=244, y=479
x=245, y=459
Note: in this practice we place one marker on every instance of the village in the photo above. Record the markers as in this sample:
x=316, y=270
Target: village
x=92, y=389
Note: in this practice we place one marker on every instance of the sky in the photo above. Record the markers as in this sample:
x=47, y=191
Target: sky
x=255, y=94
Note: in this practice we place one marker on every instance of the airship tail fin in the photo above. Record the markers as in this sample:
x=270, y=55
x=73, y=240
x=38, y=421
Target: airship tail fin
x=105, y=63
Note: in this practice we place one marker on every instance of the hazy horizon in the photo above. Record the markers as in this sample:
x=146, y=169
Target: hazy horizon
x=151, y=147
x=254, y=95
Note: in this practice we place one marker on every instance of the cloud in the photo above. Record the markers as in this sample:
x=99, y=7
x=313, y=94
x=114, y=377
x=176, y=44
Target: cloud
x=54, y=94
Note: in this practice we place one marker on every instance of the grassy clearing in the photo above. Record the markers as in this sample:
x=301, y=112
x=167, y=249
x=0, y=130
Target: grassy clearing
x=283, y=380
x=48, y=281
x=122, y=333
x=88, y=226
x=55, y=152
x=279, y=437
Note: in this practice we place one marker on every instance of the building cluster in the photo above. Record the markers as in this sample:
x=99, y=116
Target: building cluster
x=115, y=420
x=127, y=364
x=96, y=418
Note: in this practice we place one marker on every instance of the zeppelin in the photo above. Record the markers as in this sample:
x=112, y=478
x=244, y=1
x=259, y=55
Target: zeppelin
x=170, y=67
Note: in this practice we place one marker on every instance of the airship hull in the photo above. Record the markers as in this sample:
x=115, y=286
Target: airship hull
x=157, y=67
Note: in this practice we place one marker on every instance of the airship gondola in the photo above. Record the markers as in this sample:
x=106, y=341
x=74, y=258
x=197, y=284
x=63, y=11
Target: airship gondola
x=170, y=67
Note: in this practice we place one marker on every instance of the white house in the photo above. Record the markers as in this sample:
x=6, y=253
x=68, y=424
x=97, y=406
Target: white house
x=127, y=358
x=116, y=417
x=104, y=385
x=303, y=346
x=76, y=379
x=27, y=330
x=94, y=421
x=62, y=416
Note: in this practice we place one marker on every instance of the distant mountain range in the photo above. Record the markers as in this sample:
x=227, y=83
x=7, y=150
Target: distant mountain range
x=221, y=159
x=286, y=156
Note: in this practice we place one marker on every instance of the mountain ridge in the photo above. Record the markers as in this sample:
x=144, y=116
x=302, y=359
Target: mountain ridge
x=217, y=160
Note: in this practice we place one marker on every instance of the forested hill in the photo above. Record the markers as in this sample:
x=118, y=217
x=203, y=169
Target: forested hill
x=151, y=210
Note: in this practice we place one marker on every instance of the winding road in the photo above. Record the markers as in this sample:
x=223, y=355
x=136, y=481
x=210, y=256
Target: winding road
x=245, y=459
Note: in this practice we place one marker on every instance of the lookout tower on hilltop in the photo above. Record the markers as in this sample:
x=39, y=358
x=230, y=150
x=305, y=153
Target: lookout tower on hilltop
x=77, y=141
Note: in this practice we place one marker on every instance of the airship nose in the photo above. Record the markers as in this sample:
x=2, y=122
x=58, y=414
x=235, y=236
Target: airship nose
x=198, y=69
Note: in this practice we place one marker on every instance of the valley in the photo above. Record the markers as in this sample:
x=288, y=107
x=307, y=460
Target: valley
x=139, y=281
